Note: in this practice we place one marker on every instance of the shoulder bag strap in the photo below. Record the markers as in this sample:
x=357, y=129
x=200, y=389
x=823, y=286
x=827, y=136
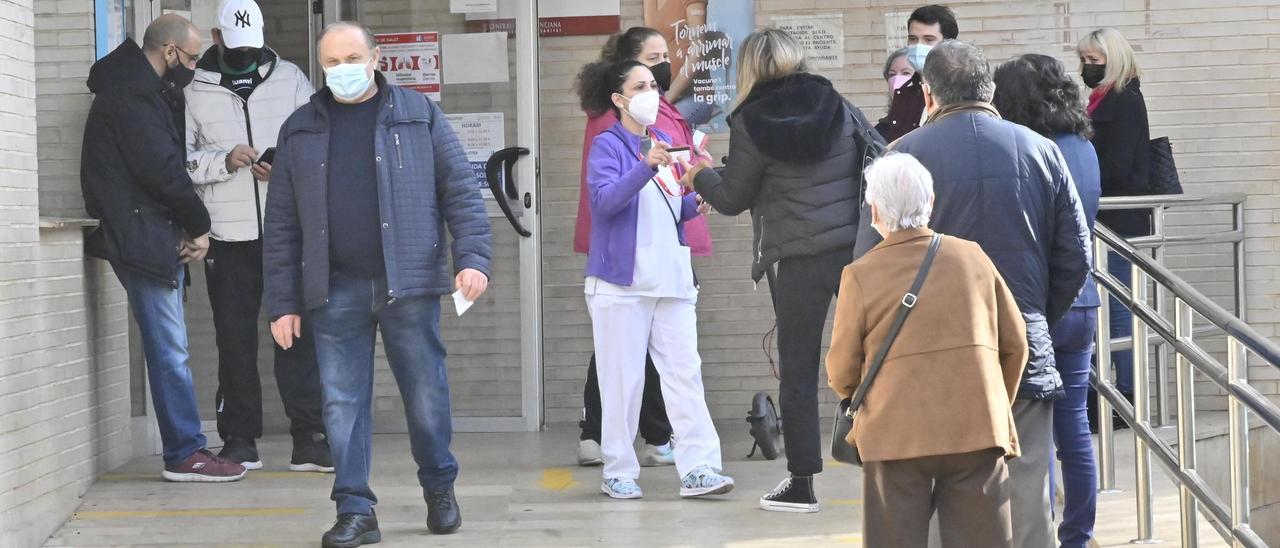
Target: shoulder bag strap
x=675, y=219
x=908, y=302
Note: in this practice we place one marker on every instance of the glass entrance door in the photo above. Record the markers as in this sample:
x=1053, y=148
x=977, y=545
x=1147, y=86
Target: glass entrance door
x=486, y=83
x=495, y=349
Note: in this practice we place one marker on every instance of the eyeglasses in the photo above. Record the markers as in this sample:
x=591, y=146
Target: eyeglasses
x=194, y=58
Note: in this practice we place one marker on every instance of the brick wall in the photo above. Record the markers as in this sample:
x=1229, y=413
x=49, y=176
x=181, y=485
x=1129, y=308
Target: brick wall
x=1211, y=86
x=64, y=52
x=64, y=405
x=1211, y=89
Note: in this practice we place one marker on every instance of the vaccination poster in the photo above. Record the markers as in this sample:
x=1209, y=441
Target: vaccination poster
x=703, y=38
x=412, y=60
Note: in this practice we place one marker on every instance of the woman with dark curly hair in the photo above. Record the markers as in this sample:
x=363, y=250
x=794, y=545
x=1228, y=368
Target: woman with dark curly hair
x=648, y=47
x=1035, y=91
x=640, y=287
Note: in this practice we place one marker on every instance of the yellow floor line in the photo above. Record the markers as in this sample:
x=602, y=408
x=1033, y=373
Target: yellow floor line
x=156, y=477
x=845, y=502
x=557, y=479
x=207, y=512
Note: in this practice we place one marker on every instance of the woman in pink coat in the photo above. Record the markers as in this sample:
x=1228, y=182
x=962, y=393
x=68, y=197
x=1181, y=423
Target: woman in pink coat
x=647, y=46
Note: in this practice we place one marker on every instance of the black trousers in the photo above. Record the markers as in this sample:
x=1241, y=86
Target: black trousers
x=655, y=428
x=802, y=296
x=234, y=275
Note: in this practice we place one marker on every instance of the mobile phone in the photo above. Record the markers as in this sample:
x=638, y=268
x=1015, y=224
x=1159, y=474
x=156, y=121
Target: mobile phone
x=679, y=153
x=268, y=156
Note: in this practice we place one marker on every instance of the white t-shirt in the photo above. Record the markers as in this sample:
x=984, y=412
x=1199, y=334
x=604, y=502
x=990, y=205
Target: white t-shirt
x=663, y=267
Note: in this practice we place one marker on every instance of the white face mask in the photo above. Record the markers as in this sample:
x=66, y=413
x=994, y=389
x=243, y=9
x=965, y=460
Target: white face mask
x=916, y=54
x=348, y=81
x=643, y=107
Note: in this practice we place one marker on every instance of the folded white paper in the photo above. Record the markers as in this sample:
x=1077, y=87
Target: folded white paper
x=460, y=303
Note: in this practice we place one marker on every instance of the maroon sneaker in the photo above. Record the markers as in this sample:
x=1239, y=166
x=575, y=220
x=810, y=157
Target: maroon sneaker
x=203, y=466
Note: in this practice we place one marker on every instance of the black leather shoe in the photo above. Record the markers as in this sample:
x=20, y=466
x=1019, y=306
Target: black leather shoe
x=352, y=530
x=443, y=515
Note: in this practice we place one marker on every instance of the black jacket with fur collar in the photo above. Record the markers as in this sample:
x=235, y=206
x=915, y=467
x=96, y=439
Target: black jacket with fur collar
x=794, y=162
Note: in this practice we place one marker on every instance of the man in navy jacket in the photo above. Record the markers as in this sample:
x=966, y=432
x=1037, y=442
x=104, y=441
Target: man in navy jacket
x=1008, y=189
x=366, y=178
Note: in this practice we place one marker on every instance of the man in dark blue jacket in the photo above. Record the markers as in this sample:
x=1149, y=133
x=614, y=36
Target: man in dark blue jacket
x=1008, y=189
x=134, y=179
x=366, y=178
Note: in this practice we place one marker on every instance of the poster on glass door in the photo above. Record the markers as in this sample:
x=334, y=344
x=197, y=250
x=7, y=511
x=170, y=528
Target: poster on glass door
x=703, y=37
x=481, y=134
x=412, y=60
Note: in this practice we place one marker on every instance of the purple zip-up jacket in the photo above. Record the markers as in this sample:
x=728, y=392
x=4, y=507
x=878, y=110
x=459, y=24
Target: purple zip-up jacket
x=615, y=177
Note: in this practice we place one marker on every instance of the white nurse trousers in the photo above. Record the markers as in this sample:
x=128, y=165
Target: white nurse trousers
x=624, y=328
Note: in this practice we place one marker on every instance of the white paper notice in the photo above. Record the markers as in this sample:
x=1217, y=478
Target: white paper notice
x=460, y=303
x=472, y=6
x=481, y=134
x=822, y=36
x=476, y=58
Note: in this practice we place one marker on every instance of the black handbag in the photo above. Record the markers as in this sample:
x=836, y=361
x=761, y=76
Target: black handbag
x=766, y=427
x=843, y=450
x=1164, y=174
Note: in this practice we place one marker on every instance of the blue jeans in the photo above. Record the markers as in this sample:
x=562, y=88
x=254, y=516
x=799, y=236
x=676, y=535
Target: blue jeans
x=158, y=310
x=1073, y=343
x=344, y=331
x=1121, y=324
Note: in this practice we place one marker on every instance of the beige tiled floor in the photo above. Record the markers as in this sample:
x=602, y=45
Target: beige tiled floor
x=515, y=490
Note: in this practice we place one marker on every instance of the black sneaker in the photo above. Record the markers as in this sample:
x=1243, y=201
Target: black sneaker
x=352, y=530
x=443, y=514
x=243, y=451
x=794, y=494
x=311, y=455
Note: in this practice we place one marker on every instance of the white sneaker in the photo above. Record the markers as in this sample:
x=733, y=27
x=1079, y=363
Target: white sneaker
x=704, y=481
x=657, y=455
x=621, y=488
x=589, y=453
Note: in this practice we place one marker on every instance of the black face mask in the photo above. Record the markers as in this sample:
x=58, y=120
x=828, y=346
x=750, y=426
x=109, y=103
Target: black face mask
x=240, y=60
x=180, y=76
x=662, y=74
x=1093, y=74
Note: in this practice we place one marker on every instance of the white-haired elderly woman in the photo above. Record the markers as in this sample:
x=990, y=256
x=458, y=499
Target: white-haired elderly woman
x=936, y=426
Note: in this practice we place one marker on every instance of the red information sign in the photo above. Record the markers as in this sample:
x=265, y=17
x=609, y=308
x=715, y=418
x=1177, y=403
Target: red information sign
x=554, y=26
x=412, y=60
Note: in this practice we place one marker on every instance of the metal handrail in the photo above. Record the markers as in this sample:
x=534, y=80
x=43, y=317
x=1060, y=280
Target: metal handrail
x=1144, y=202
x=1230, y=518
x=1157, y=242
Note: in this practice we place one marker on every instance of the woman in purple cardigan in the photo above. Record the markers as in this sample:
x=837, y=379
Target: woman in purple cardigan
x=640, y=286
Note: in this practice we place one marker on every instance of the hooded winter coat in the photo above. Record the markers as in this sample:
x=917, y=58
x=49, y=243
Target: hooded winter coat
x=218, y=120
x=132, y=168
x=795, y=163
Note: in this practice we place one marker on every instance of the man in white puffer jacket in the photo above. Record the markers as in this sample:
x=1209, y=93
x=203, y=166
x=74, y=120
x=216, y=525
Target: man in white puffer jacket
x=241, y=95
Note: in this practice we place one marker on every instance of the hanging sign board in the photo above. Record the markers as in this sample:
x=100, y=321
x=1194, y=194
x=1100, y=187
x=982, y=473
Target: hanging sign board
x=555, y=18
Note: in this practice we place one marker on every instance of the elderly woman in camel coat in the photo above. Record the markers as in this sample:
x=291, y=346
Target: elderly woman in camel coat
x=936, y=426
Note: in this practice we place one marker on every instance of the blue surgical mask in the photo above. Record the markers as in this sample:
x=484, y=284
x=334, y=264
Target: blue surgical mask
x=348, y=81
x=916, y=54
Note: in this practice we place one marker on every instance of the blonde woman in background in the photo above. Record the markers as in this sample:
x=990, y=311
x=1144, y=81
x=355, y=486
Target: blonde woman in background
x=795, y=162
x=1121, y=137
